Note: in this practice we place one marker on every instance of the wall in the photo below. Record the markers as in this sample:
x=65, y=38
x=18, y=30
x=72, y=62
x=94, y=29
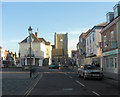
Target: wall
x=37, y=48
x=3, y=53
x=93, y=47
x=86, y=61
x=118, y=33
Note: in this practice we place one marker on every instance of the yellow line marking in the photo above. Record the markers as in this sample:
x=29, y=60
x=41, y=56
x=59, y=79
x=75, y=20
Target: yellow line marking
x=32, y=87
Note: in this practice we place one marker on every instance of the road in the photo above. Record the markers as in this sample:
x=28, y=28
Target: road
x=66, y=82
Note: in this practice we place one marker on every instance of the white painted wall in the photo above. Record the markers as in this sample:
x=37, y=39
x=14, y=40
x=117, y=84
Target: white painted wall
x=2, y=53
x=37, y=48
x=93, y=47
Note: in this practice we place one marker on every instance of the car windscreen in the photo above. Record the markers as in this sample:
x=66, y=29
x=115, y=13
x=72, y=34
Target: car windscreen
x=90, y=67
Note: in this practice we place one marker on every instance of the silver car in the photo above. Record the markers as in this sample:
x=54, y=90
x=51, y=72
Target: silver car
x=90, y=71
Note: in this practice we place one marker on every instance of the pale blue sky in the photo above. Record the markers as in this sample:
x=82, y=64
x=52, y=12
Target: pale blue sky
x=49, y=18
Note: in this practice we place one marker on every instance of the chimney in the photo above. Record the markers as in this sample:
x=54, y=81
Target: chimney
x=36, y=34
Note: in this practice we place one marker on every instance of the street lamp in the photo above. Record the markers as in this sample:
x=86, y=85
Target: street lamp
x=30, y=32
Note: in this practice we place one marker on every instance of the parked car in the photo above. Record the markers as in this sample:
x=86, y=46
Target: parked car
x=4, y=63
x=54, y=65
x=90, y=71
x=65, y=65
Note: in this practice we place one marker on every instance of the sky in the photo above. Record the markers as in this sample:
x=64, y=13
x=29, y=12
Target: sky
x=50, y=17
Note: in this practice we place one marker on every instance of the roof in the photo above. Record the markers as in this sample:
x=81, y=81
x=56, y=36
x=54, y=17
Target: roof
x=101, y=25
x=84, y=34
x=111, y=23
x=36, y=39
x=43, y=40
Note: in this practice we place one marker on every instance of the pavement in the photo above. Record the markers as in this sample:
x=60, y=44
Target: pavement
x=15, y=81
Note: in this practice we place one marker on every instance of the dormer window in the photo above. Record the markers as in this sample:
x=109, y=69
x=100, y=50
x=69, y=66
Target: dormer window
x=116, y=12
x=110, y=16
x=108, y=19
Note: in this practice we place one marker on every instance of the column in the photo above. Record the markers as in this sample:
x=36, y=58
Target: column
x=25, y=61
x=20, y=63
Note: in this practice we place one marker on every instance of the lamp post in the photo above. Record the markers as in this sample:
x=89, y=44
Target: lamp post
x=30, y=31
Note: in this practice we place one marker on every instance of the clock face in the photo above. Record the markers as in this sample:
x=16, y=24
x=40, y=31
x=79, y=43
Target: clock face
x=61, y=40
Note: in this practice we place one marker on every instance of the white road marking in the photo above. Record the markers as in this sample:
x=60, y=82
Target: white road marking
x=80, y=83
x=31, y=88
x=70, y=76
x=67, y=89
x=96, y=93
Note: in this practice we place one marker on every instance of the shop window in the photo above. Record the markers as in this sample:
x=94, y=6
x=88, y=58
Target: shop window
x=111, y=62
x=107, y=62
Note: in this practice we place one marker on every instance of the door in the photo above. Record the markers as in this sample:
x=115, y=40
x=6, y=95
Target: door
x=115, y=65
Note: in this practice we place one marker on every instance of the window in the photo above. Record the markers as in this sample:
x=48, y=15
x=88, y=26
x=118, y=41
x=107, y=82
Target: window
x=111, y=62
x=108, y=19
x=112, y=36
x=104, y=40
x=81, y=40
x=87, y=41
x=107, y=62
x=115, y=62
x=90, y=39
x=116, y=12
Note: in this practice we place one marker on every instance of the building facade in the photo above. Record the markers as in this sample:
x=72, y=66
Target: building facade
x=40, y=51
x=10, y=57
x=74, y=57
x=82, y=47
x=60, y=52
x=111, y=43
x=93, y=44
